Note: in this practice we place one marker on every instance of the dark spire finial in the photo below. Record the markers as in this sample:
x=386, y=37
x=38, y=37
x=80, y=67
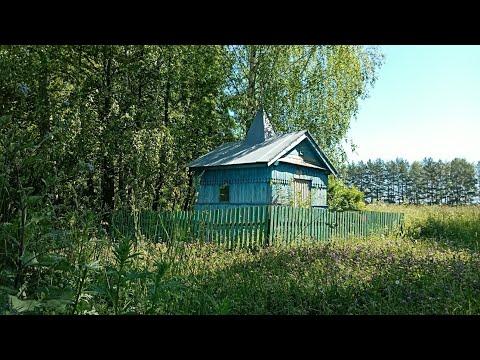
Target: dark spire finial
x=261, y=128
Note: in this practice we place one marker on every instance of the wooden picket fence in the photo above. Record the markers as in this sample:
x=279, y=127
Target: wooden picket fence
x=255, y=226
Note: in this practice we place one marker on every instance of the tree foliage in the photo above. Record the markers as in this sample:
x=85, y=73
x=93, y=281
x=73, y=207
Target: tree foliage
x=303, y=87
x=121, y=117
x=115, y=125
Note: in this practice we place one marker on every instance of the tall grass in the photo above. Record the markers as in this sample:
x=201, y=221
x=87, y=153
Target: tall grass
x=430, y=267
x=80, y=269
x=364, y=276
x=457, y=226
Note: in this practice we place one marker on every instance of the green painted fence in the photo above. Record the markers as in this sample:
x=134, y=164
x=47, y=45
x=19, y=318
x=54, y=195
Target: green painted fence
x=255, y=225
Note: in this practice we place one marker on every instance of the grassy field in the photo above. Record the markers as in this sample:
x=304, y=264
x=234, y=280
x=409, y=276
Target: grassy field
x=431, y=267
x=456, y=226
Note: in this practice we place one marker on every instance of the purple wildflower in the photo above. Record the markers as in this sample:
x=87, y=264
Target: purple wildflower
x=335, y=256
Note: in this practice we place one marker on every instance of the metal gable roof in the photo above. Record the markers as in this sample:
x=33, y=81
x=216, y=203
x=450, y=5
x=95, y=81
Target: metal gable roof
x=261, y=145
x=236, y=153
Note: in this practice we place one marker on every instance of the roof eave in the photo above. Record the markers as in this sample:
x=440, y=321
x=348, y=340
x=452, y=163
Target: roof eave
x=288, y=148
x=212, y=166
x=306, y=135
x=324, y=157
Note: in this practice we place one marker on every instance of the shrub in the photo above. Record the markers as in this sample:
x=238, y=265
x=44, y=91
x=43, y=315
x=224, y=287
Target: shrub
x=341, y=197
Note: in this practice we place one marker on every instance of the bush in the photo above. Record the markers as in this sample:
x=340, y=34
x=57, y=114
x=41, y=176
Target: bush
x=340, y=197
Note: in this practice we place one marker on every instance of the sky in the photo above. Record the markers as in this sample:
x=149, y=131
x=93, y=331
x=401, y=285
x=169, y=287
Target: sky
x=425, y=103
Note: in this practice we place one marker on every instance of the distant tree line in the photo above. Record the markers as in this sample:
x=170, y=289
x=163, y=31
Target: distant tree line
x=421, y=182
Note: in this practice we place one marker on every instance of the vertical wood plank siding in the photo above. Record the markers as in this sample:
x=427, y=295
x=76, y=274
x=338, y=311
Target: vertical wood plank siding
x=259, y=185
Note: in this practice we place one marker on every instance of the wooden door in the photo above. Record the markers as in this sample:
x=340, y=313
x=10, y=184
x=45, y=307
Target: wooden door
x=301, y=193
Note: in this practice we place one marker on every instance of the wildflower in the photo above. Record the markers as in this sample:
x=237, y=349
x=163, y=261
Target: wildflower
x=89, y=167
x=335, y=256
x=397, y=282
x=66, y=102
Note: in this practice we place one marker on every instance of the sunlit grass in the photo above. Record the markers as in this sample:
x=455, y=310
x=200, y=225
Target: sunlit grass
x=457, y=226
x=431, y=266
x=373, y=276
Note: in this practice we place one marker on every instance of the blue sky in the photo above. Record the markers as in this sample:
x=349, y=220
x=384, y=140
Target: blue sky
x=425, y=103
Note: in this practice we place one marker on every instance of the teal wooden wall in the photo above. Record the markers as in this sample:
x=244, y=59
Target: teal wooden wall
x=249, y=186
x=283, y=175
x=257, y=184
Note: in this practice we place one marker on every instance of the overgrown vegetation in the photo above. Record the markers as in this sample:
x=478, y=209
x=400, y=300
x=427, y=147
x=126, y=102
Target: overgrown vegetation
x=341, y=197
x=453, y=226
x=430, y=267
x=374, y=276
x=88, y=129
x=86, y=271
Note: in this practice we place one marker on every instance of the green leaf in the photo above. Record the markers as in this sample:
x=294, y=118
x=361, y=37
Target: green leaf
x=30, y=160
x=34, y=199
x=50, y=259
x=23, y=305
x=172, y=284
x=94, y=265
x=7, y=290
x=54, y=261
x=58, y=299
x=64, y=265
x=29, y=258
x=133, y=275
x=36, y=218
x=57, y=304
x=25, y=189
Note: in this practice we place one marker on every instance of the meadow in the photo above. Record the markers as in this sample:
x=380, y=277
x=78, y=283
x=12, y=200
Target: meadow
x=430, y=266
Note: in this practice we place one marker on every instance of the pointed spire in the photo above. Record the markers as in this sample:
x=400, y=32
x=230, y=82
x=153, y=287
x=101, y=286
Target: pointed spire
x=260, y=130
